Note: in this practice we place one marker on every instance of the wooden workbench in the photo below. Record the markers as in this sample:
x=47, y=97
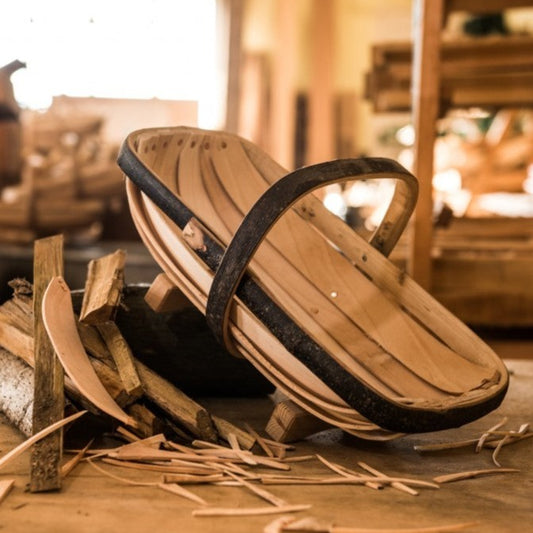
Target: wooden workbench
x=92, y=502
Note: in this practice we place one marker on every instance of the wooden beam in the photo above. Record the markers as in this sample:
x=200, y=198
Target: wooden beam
x=428, y=18
x=48, y=405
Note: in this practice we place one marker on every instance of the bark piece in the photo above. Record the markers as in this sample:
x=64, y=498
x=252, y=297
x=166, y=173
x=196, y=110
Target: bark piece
x=49, y=399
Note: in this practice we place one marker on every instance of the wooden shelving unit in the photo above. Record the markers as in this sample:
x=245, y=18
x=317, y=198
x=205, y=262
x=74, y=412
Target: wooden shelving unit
x=428, y=104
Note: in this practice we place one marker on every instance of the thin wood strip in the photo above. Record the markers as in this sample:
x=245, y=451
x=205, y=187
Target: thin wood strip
x=167, y=468
x=119, y=478
x=262, y=443
x=37, y=437
x=347, y=481
x=5, y=488
x=486, y=435
x=48, y=396
x=67, y=467
x=174, y=488
x=192, y=479
x=432, y=529
x=338, y=470
x=395, y=484
x=225, y=428
x=234, y=443
x=262, y=493
x=249, y=511
x=459, y=476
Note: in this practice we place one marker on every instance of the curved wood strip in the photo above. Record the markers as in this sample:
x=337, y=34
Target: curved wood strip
x=60, y=324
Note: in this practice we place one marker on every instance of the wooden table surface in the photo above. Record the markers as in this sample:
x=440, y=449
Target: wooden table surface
x=92, y=502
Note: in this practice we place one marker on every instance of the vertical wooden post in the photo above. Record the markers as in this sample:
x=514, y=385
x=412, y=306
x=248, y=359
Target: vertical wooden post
x=427, y=27
x=321, y=133
x=48, y=403
x=233, y=96
x=283, y=102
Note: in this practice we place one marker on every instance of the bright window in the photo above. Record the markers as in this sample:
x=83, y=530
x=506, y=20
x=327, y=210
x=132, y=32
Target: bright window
x=113, y=48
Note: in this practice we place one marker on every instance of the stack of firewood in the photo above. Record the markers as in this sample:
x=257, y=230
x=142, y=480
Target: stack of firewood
x=69, y=179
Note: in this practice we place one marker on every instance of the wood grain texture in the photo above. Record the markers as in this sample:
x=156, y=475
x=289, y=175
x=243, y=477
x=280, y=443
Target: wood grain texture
x=48, y=404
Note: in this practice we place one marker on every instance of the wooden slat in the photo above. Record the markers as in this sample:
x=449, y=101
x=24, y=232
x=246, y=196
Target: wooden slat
x=49, y=399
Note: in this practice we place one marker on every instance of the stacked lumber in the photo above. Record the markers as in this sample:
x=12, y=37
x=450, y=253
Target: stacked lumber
x=487, y=72
x=68, y=181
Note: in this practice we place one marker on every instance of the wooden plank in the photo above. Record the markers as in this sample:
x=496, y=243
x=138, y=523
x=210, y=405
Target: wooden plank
x=49, y=401
x=426, y=79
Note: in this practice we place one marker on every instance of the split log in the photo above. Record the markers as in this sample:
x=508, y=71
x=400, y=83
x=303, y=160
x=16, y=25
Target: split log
x=103, y=288
x=121, y=353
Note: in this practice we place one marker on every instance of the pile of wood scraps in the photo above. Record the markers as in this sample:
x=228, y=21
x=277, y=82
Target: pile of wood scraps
x=146, y=424
x=69, y=179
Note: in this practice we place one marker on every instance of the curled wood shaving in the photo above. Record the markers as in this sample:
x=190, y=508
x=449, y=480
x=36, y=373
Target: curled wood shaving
x=458, y=476
x=8, y=457
x=485, y=435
